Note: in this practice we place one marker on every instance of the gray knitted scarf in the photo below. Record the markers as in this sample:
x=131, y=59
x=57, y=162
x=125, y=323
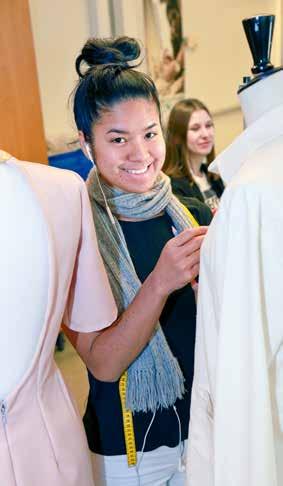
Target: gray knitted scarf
x=155, y=379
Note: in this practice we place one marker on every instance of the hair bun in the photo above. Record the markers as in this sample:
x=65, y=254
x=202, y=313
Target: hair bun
x=99, y=52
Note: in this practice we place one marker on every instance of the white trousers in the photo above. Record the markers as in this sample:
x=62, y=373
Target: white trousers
x=164, y=466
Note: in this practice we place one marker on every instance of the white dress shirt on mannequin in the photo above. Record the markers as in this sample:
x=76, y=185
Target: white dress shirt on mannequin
x=236, y=428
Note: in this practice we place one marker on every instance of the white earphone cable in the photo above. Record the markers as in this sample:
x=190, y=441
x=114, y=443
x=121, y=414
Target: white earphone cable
x=111, y=217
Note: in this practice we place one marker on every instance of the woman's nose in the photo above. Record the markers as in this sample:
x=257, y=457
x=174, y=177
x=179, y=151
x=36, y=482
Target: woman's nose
x=138, y=152
x=205, y=132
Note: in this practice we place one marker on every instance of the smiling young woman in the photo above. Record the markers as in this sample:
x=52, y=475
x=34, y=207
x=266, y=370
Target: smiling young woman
x=117, y=113
x=189, y=151
x=129, y=155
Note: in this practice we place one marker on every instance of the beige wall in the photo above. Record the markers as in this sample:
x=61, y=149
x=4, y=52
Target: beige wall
x=129, y=19
x=59, y=29
x=221, y=57
x=228, y=126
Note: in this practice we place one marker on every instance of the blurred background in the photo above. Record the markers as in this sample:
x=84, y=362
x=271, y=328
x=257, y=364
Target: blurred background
x=191, y=49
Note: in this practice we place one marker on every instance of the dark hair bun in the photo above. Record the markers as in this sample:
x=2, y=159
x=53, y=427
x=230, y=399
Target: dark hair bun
x=99, y=52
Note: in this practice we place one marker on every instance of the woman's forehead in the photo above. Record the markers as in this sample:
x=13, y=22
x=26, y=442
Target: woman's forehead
x=130, y=113
x=199, y=116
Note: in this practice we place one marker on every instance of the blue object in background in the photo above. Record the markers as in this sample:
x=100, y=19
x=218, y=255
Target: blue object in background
x=75, y=160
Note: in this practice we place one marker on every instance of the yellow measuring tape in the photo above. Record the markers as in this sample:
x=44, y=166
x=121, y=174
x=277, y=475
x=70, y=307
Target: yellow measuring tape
x=128, y=423
x=190, y=216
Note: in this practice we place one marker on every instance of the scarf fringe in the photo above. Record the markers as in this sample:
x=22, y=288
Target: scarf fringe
x=151, y=389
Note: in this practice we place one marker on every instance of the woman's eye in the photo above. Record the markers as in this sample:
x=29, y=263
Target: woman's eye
x=118, y=140
x=150, y=135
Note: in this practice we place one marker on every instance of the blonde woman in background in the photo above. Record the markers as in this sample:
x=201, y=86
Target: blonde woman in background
x=190, y=149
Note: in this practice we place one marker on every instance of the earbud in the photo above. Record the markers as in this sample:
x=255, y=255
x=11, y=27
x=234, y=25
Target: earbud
x=87, y=147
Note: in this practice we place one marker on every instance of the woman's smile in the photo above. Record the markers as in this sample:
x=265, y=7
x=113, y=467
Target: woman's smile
x=138, y=171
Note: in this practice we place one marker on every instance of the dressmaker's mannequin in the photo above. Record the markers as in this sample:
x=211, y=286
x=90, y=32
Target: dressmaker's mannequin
x=50, y=267
x=236, y=428
x=23, y=276
x=268, y=91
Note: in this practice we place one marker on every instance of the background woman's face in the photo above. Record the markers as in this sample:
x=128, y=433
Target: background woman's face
x=200, y=133
x=128, y=146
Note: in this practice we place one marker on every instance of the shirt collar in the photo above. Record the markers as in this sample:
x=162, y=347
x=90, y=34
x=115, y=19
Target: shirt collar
x=267, y=127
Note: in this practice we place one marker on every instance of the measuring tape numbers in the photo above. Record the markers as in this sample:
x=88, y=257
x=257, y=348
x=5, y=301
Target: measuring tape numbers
x=128, y=423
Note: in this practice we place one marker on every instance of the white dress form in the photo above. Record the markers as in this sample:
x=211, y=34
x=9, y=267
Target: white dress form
x=236, y=421
x=258, y=99
x=23, y=276
x=261, y=97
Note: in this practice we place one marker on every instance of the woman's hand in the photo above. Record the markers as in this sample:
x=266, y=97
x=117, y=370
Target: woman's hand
x=178, y=263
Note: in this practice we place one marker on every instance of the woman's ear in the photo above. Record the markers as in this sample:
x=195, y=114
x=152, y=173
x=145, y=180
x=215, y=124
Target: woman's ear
x=84, y=144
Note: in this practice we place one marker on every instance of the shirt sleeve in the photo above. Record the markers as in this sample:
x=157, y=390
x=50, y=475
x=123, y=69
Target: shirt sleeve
x=90, y=306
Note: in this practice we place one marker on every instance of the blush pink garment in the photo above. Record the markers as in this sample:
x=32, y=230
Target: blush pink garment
x=42, y=441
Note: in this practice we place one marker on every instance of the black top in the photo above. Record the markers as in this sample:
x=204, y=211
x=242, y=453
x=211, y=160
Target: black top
x=103, y=417
x=182, y=187
x=199, y=210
